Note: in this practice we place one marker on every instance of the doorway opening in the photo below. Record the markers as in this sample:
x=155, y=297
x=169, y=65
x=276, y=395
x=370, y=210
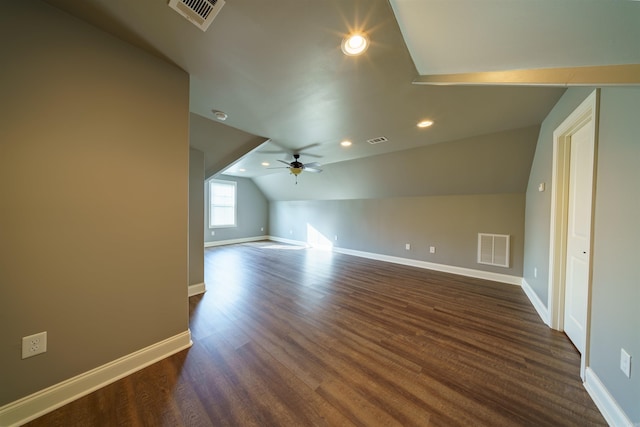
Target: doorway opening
x=583, y=124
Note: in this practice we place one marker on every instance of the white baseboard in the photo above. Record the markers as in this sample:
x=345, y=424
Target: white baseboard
x=607, y=405
x=462, y=271
x=469, y=272
x=197, y=289
x=537, y=303
x=289, y=241
x=33, y=406
x=235, y=241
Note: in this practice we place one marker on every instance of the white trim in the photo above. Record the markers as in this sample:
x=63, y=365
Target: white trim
x=289, y=241
x=585, y=113
x=607, y=405
x=37, y=404
x=197, y=289
x=478, y=274
x=235, y=241
x=537, y=303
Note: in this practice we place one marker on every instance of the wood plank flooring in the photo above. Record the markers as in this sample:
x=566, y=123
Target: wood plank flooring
x=287, y=336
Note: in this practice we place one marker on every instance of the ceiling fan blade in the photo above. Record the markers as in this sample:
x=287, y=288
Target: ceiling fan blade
x=312, y=170
x=286, y=163
x=306, y=147
x=280, y=167
x=313, y=165
x=305, y=154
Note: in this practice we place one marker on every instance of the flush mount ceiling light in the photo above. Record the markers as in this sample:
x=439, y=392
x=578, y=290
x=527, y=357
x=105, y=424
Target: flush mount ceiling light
x=425, y=123
x=265, y=163
x=355, y=44
x=346, y=143
x=220, y=115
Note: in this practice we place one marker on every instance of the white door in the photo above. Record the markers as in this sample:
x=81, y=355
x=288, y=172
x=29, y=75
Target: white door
x=579, y=235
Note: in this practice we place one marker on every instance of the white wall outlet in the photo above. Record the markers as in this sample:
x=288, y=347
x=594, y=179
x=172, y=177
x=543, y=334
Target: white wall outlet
x=432, y=249
x=335, y=237
x=625, y=362
x=541, y=187
x=34, y=344
x=261, y=228
x=290, y=231
x=535, y=272
x=408, y=246
x=213, y=233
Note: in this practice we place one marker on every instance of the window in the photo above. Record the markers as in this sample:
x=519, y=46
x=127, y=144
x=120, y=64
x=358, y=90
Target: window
x=222, y=204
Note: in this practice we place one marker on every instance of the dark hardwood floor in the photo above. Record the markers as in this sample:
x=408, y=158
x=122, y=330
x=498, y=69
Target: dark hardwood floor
x=294, y=337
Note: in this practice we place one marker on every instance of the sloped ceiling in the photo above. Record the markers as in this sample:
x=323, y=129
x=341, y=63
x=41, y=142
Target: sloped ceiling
x=277, y=70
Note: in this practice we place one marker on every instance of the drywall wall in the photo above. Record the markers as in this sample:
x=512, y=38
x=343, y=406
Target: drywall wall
x=94, y=189
x=615, y=291
x=615, y=314
x=385, y=226
x=196, y=217
x=252, y=215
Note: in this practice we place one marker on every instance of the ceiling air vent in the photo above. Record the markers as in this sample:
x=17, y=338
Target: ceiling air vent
x=377, y=140
x=199, y=12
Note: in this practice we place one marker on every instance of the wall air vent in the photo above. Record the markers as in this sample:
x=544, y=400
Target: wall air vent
x=199, y=12
x=377, y=140
x=493, y=249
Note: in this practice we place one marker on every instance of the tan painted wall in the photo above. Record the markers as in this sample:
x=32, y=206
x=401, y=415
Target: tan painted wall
x=93, y=185
x=196, y=216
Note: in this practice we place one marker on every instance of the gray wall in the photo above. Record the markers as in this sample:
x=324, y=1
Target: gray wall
x=93, y=184
x=538, y=204
x=252, y=212
x=615, y=320
x=615, y=314
x=384, y=226
x=196, y=217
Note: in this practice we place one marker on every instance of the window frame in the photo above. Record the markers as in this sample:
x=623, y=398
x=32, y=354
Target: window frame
x=233, y=184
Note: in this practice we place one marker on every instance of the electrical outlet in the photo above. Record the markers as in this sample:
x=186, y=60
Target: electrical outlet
x=34, y=344
x=432, y=249
x=535, y=272
x=261, y=228
x=213, y=233
x=335, y=237
x=625, y=362
x=408, y=246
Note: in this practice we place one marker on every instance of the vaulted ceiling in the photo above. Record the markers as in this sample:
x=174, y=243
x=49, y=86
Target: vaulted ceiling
x=277, y=70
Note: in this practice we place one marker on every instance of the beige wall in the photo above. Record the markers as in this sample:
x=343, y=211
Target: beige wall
x=196, y=216
x=93, y=184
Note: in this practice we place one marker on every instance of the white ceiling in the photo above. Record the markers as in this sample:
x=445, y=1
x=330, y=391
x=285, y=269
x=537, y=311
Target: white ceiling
x=277, y=70
x=445, y=36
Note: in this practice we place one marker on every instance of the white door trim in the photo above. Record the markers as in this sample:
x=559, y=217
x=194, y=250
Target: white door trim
x=587, y=111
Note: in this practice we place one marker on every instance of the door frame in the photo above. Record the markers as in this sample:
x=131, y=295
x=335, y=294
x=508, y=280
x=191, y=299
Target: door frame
x=586, y=112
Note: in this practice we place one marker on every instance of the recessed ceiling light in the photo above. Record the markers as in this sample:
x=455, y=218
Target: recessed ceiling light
x=220, y=115
x=345, y=143
x=355, y=44
x=242, y=170
x=265, y=163
x=425, y=123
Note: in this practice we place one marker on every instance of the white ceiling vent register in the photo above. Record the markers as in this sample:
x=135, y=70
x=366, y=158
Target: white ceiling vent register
x=493, y=249
x=199, y=12
x=377, y=140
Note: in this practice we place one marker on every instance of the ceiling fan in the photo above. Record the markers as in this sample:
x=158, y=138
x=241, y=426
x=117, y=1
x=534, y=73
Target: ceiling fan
x=296, y=166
